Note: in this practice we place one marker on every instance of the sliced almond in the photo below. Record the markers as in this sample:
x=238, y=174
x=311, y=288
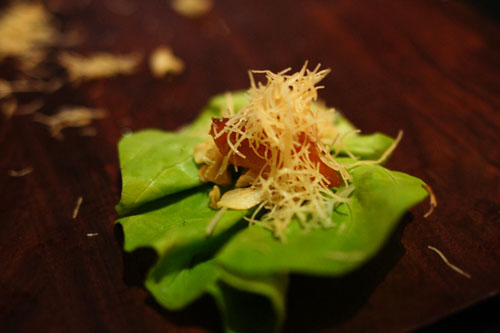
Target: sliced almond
x=241, y=198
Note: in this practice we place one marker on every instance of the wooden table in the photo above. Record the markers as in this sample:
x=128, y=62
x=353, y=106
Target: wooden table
x=430, y=68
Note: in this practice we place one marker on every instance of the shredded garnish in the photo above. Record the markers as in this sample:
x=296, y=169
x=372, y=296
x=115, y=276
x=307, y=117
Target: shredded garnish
x=213, y=223
x=163, y=62
x=384, y=156
x=77, y=207
x=286, y=144
x=432, y=201
x=5, y=88
x=93, y=234
x=29, y=108
x=282, y=129
x=70, y=116
x=98, y=65
x=8, y=106
x=26, y=32
x=20, y=173
x=447, y=262
x=36, y=86
x=192, y=8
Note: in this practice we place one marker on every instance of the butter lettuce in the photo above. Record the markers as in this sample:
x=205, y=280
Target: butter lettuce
x=164, y=206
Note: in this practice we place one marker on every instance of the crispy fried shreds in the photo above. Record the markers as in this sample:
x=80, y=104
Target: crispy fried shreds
x=29, y=108
x=214, y=196
x=432, y=201
x=77, y=207
x=70, y=116
x=98, y=65
x=163, y=61
x=192, y=8
x=42, y=86
x=8, y=100
x=327, y=131
x=8, y=106
x=448, y=263
x=285, y=144
x=274, y=123
x=5, y=88
x=26, y=32
x=20, y=173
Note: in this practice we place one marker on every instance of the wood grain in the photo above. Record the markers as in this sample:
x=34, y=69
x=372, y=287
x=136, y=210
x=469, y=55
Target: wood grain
x=431, y=68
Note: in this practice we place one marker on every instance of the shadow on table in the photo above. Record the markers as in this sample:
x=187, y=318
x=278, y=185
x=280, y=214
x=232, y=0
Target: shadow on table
x=490, y=8
x=202, y=313
x=481, y=317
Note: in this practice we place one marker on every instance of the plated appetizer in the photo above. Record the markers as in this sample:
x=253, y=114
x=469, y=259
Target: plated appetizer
x=261, y=185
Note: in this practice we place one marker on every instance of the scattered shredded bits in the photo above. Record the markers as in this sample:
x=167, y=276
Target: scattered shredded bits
x=92, y=234
x=42, y=86
x=455, y=268
x=8, y=106
x=163, y=62
x=26, y=32
x=77, y=207
x=432, y=200
x=8, y=100
x=70, y=116
x=29, y=108
x=213, y=223
x=98, y=65
x=5, y=88
x=192, y=8
x=20, y=173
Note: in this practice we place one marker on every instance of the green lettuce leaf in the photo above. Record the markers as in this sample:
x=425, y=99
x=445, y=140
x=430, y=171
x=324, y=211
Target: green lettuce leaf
x=154, y=164
x=381, y=197
x=174, y=221
x=175, y=227
x=164, y=206
x=251, y=304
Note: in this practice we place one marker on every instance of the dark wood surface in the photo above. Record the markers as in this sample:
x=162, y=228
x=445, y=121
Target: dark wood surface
x=430, y=68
